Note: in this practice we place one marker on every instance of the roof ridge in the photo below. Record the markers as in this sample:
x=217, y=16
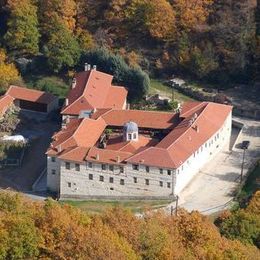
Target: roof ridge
x=186, y=129
x=82, y=95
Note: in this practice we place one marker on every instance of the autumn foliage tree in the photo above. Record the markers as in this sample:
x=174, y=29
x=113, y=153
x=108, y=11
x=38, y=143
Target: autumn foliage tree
x=22, y=35
x=8, y=72
x=50, y=230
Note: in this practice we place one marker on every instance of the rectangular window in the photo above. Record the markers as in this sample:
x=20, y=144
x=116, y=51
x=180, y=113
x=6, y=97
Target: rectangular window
x=101, y=178
x=104, y=167
x=90, y=165
x=122, y=182
x=67, y=165
x=69, y=184
x=90, y=176
x=135, y=180
x=161, y=171
x=111, y=179
x=121, y=169
x=111, y=168
x=135, y=167
x=161, y=184
x=53, y=159
x=169, y=172
x=77, y=167
x=168, y=185
x=53, y=172
x=146, y=181
x=147, y=168
x=129, y=136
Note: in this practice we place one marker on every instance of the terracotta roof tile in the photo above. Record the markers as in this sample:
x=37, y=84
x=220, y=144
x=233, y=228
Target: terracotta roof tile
x=30, y=95
x=95, y=90
x=5, y=102
x=144, y=119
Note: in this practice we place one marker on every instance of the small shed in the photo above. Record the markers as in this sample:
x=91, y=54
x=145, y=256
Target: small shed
x=33, y=100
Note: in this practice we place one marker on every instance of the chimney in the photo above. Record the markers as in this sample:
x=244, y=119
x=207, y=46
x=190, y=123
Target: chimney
x=89, y=67
x=118, y=159
x=74, y=82
x=59, y=148
x=94, y=67
x=66, y=102
x=197, y=129
x=86, y=67
x=97, y=157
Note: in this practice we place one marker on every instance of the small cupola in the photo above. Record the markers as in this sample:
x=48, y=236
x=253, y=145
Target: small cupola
x=130, y=131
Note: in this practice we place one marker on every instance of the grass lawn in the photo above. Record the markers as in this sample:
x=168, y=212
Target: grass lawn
x=52, y=84
x=157, y=87
x=99, y=206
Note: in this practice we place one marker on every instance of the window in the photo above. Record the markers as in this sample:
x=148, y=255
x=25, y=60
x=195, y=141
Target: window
x=135, y=136
x=147, y=168
x=169, y=172
x=135, y=167
x=101, y=178
x=77, y=167
x=53, y=172
x=182, y=167
x=135, y=180
x=161, y=184
x=121, y=169
x=111, y=179
x=146, y=181
x=129, y=136
x=168, y=185
x=111, y=188
x=104, y=167
x=90, y=165
x=90, y=176
x=111, y=168
x=69, y=184
x=201, y=149
x=67, y=165
x=122, y=182
x=161, y=171
x=53, y=159
x=206, y=145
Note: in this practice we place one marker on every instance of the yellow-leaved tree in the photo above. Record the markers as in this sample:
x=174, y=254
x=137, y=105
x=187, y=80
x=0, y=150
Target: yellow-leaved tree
x=8, y=72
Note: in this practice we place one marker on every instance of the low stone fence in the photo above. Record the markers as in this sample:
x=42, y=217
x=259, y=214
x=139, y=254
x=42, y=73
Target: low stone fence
x=213, y=96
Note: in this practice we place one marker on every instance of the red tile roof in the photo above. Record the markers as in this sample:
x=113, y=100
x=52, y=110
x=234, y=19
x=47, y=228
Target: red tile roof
x=30, y=95
x=144, y=119
x=94, y=90
x=5, y=102
x=199, y=123
x=184, y=140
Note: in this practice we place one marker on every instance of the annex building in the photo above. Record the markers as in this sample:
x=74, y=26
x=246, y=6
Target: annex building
x=112, y=152
x=28, y=99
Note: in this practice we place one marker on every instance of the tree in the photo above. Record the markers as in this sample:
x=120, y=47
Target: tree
x=62, y=49
x=148, y=16
x=22, y=35
x=136, y=80
x=8, y=72
x=56, y=13
x=233, y=33
x=190, y=14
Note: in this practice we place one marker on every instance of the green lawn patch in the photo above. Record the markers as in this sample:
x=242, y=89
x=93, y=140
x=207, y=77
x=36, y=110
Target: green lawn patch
x=52, y=84
x=99, y=206
x=158, y=87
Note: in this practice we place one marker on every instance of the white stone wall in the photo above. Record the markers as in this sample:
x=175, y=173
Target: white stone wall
x=219, y=141
x=53, y=174
x=77, y=183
